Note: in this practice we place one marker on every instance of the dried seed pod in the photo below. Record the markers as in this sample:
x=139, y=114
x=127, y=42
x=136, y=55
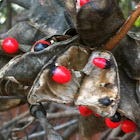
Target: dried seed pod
x=105, y=20
x=25, y=68
x=25, y=33
x=129, y=97
x=127, y=54
x=100, y=84
x=45, y=88
x=55, y=21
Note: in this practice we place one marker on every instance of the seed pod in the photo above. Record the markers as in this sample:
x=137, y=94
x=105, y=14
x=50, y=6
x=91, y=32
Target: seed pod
x=105, y=20
x=25, y=68
x=45, y=88
x=100, y=89
x=128, y=56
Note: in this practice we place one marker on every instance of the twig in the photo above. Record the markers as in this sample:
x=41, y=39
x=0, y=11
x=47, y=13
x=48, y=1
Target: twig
x=62, y=126
x=49, y=131
x=24, y=127
x=69, y=131
x=12, y=97
x=123, y=31
x=56, y=128
x=115, y=132
x=8, y=124
x=63, y=114
x=58, y=115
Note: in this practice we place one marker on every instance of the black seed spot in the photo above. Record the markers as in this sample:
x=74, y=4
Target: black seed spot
x=105, y=101
x=116, y=117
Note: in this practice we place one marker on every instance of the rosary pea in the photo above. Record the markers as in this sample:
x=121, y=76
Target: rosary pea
x=61, y=75
x=85, y=111
x=128, y=126
x=10, y=45
x=111, y=124
x=83, y=2
x=101, y=63
x=41, y=45
x=116, y=117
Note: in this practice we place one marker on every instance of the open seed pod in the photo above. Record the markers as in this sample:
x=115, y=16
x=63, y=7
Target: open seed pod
x=99, y=85
x=127, y=54
x=98, y=21
x=45, y=88
x=25, y=68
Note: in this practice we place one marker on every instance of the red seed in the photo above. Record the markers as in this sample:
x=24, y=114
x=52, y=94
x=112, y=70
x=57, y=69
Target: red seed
x=61, y=75
x=101, y=63
x=85, y=111
x=128, y=126
x=83, y=2
x=10, y=45
x=111, y=124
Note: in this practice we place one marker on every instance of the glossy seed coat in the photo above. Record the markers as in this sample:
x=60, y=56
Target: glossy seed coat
x=10, y=45
x=83, y=2
x=111, y=124
x=61, y=75
x=101, y=63
x=128, y=126
x=116, y=117
x=105, y=101
x=85, y=111
x=41, y=45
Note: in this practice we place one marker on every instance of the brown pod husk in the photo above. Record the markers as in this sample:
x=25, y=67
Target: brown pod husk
x=59, y=18
x=25, y=33
x=3, y=60
x=127, y=54
x=91, y=125
x=24, y=69
x=129, y=97
x=100, y=84
x=45, y=89
x=98, y=21
x=52, y=40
